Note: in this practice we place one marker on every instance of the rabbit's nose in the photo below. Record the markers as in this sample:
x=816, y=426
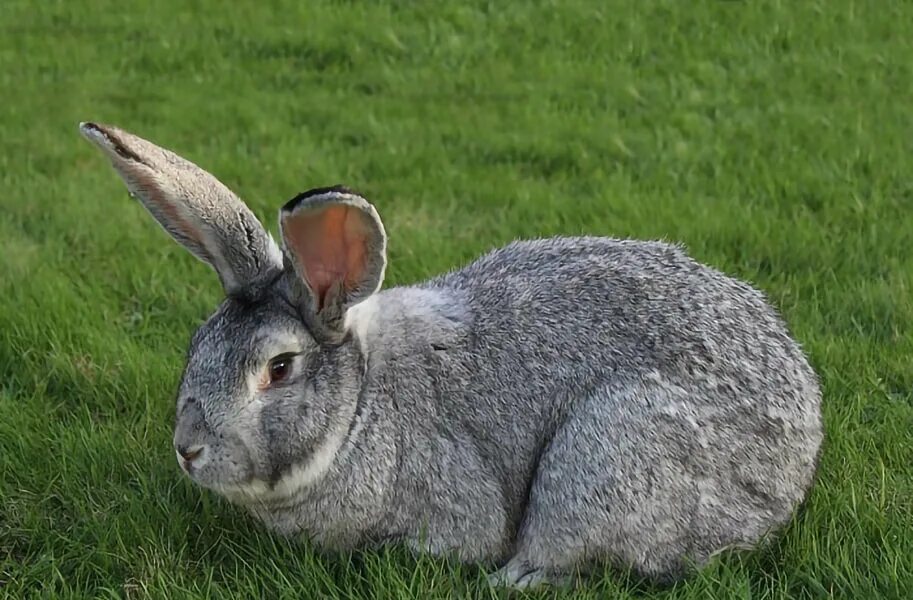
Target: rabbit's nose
x=189, y=453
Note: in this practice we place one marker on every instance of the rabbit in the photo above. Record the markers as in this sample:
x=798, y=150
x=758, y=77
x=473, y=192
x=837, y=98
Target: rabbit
x=555, y=406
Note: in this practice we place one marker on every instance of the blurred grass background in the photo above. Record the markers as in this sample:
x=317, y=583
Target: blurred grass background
x=773, y=139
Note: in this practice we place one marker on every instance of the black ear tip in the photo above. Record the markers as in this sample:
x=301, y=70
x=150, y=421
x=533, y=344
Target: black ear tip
x=333, y=189
x=314, y=193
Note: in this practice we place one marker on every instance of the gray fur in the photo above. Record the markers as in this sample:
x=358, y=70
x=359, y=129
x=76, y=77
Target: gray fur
x=195, y=208
x=554, y=405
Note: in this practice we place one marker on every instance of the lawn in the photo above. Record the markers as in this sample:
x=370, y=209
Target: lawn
x=773, y=139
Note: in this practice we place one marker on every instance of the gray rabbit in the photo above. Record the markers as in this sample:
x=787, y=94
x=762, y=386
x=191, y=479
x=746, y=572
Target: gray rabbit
x=554, y=405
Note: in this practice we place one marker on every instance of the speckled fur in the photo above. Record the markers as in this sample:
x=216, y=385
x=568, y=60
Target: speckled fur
x=556, y=404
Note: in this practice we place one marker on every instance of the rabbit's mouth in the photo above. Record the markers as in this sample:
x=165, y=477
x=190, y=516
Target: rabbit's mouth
x=224, y=466
x=239, y=487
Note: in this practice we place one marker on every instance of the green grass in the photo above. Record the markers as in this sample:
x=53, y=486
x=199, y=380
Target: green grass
x=774, y=139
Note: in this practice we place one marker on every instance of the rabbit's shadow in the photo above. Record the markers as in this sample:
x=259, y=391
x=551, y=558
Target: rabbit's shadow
x=224, y=541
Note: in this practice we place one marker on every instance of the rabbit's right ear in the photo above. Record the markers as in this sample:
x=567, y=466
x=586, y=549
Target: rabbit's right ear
x=194, y=207
x=336, y=243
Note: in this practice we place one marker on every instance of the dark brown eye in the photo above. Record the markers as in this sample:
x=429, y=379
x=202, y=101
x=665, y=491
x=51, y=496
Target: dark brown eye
x=279, y=368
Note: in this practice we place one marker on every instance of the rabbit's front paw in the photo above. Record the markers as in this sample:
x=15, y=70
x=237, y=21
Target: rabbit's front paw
x=518, y=575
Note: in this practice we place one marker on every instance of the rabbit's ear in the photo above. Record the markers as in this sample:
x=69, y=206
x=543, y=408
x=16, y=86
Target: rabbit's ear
x=193, y=206
x=336, y=243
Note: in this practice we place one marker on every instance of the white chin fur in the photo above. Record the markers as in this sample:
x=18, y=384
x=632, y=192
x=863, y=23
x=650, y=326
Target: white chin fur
x=297, y=478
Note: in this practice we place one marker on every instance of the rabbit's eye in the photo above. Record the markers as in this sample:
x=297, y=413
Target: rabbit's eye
x=279, y=368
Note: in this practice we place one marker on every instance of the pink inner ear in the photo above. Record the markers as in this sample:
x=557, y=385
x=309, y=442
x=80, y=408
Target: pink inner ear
x=171, y=217
x=330, y=247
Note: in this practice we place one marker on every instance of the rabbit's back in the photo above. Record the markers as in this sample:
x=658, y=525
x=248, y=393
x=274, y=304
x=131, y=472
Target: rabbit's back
x=546, y=319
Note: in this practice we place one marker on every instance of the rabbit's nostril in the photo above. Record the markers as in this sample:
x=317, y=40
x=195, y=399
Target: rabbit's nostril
x=190, y=453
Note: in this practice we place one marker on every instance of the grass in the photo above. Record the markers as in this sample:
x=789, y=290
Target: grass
x=774, y=139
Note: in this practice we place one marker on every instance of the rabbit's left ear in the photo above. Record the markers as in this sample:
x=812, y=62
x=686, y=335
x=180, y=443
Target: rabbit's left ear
x=336, y=243
x=194, y=207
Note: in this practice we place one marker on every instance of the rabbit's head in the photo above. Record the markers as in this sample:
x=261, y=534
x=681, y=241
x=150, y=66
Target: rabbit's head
x=272, y=377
